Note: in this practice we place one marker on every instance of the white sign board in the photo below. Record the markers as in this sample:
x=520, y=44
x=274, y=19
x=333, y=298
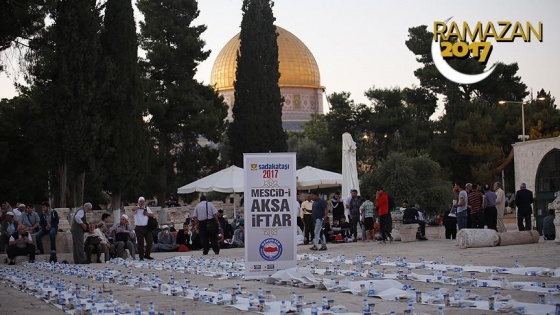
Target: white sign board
x=270, y=213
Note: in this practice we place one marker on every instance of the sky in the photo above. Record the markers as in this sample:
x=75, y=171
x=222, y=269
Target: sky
x=360, y=44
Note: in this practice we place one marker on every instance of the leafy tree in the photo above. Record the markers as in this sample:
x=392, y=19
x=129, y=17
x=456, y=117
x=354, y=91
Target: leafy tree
x=19, y=21
x=459, y=124
x=414, y=179
x=182, y=110
x=22, y=164
x=257, y=113
x=308, y=152
x=125, y=142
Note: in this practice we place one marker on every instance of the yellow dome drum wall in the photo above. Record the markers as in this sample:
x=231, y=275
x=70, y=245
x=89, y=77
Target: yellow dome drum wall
x=300, y=81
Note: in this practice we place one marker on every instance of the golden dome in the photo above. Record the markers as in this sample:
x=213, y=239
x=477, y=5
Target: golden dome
x=297, y=65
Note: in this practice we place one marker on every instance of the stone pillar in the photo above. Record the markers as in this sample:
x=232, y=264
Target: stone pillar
x=469, y=238
x=116, y=215
x=557, y=225
x=519, y=237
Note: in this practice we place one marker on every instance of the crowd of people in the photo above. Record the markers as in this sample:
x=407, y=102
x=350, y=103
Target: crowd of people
x=22, y=230
x=483, y=206
x=371, y=216
x=474, y=206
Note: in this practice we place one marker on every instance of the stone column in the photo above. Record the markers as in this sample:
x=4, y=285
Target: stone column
x=116, y=215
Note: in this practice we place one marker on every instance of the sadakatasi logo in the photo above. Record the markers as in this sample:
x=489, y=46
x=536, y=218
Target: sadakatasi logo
x=462, y=41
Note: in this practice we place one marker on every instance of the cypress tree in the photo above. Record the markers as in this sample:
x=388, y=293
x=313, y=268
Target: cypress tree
x=257, y=113
x=125, y=142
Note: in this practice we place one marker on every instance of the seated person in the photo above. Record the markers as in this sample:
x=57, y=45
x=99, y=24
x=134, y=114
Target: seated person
x=336, y=230
x=226, y=231
x=239, y=236
x=92, y=244
x=7, y=228
x=166, y=241
x=345, y=228
x=172, y=202
x=20, y=244
x=327, y=230
x=411, y=216
x=30, y=219
x=196, y=243
x=49, y=226
x=104, y=226
x=123, y=237
x=106, y=246
x=188, y=237
x=549, y=230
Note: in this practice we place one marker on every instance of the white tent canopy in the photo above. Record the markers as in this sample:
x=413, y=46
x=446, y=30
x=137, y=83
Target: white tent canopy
x=232, y=180
x=314, y=178
x=229, y=180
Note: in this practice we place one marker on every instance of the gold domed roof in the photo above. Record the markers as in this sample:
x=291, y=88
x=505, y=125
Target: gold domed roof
x=297, y=65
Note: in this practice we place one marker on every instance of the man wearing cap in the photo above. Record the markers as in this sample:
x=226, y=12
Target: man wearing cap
x=18, y=211
x=20, y=244
x=49, y=226
x=78, y=227
x=524, y=202
x=124, y=237
x=141, y=215
x=7, y=228
x=203, y=213
x=166, y=241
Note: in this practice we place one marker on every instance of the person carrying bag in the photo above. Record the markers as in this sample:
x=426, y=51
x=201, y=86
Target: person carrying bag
x=206, y=217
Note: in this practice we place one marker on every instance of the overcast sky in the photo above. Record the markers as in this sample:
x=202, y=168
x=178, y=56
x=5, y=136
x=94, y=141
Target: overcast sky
x=360, y=44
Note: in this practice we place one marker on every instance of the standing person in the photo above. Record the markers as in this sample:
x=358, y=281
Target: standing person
x=475, y=206
x=337, y=206
x=524, y=202
x=490, y=211
x=462, y=205
x=353, y=203
x=320, y=213
x=367, y=209
x=203, y=213
x=450, y=224
x=382, y=203
x=500, y=207
x=78, y=228
x=306, y=211
x=49, y=226
x=141, y=215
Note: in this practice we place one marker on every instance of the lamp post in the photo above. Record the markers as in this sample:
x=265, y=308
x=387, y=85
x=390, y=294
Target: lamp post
x=523, y=137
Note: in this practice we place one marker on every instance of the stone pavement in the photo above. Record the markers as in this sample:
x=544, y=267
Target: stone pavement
x=544, y=254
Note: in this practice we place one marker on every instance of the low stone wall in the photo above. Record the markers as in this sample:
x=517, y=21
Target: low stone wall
x=63, y=242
